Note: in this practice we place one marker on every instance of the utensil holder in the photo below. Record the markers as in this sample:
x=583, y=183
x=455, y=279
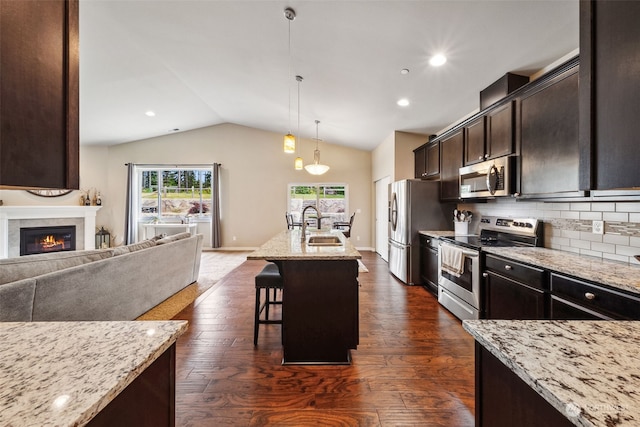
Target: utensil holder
x=461, y=228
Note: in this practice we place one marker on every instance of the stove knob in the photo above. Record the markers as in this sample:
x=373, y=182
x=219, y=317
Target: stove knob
x=529, y=225
x=516, y=224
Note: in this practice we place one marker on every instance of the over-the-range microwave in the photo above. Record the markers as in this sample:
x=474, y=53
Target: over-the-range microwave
x=492, y=178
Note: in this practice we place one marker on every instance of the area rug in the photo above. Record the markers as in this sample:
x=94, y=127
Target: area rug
x=214, y=265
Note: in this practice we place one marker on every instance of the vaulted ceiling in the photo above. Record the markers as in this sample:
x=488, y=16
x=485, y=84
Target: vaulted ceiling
x=206, y=62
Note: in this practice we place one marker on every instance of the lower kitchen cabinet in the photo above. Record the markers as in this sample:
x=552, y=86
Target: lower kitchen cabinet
x=505, y=400
x=573, y=299
x=429, y=263
x=513, y=290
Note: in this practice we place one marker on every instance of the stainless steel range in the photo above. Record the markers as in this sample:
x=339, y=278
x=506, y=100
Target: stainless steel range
x=460, y=262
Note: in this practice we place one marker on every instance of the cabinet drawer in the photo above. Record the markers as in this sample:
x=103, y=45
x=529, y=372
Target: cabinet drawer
x=597, y=298
x=530, y=276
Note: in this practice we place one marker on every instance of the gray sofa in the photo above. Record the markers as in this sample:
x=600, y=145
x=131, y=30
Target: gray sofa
x=109, y=284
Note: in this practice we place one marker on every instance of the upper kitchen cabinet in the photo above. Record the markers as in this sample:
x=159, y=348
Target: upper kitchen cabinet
x=451, y=152
x=474, y=141
x=549, y=149
x=500, y=130
x=491, y=135
x=427, y=160
x=609, y=96
x=39, y=133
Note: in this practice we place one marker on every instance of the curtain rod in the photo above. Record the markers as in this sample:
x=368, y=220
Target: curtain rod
x=148, y=165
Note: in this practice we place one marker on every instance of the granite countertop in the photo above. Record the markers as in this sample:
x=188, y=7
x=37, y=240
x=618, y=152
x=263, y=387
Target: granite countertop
x=587, y=370
x=287, y=246
x=436, y=233
x=64, y=373
x=612, y=273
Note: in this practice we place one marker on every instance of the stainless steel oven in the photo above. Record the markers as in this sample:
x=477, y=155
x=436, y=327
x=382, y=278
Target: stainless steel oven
x=492, y=178
x=461, y=295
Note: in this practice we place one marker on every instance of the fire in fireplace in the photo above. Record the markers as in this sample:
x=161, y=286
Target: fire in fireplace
x=38, y=240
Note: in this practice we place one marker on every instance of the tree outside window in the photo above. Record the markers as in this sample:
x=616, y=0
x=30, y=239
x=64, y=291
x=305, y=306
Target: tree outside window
x=175, y=193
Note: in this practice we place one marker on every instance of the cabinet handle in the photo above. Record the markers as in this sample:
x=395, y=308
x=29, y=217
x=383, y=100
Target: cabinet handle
x=486, y=156
x=428, y=240
x=485, y=274
x=508, y=267
x=589, y=295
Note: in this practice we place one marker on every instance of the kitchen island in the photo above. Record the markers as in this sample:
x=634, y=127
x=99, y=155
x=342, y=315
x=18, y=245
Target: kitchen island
x=88, y=373
x=556, y=373
x=320, y=297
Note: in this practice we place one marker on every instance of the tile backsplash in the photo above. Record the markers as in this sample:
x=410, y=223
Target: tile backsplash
x=569, y=226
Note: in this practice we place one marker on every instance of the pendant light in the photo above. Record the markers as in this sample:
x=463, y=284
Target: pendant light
x=298, y=163
x=316, y=168
x=289, y=139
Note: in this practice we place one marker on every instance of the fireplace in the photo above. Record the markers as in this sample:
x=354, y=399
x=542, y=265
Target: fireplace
x=38, y=240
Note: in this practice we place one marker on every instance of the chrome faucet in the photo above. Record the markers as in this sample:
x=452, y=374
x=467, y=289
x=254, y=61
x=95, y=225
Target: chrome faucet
x=303, y=235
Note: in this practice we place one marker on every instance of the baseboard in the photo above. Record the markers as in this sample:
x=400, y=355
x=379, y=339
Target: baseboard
x=230, y=248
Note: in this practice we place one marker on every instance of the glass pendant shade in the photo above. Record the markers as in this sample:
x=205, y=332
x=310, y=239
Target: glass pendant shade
x=316, y=168
x=298, y=164
x=289, y=143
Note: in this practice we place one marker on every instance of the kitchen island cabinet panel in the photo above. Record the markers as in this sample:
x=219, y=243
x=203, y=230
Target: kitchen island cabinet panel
x=320, y=311
x=504, y=400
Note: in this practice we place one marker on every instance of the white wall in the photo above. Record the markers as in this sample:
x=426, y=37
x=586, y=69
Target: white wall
x=254, y=177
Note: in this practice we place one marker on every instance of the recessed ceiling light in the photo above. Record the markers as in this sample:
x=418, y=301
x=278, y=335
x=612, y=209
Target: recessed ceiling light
x=404, y=71
x=150, y=114
x=437, y=60
x=404, y=102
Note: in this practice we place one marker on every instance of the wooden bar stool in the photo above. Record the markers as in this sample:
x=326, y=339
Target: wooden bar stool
x=268, y=279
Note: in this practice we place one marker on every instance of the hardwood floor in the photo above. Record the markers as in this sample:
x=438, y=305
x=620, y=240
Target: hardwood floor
x=414, y=364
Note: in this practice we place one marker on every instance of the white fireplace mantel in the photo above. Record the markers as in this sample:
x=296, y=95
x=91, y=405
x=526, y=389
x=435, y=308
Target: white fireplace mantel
x=88, y=213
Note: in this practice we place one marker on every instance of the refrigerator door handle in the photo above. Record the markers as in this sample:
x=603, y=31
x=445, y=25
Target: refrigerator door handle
x=393, y=216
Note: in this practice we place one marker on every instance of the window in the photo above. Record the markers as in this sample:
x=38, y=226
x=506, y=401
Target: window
x=176, y=192
x=331, y=200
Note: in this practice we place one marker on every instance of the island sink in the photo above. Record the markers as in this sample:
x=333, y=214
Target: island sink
x=324, y=241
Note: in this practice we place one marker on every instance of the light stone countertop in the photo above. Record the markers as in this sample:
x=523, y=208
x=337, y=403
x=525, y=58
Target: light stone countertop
x=437, y=234
x=64, y=373
x=588, y=370
x=612, y=273
x=287, y=246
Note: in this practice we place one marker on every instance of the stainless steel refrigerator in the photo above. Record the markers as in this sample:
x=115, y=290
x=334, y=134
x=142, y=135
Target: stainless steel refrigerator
x=414, y=206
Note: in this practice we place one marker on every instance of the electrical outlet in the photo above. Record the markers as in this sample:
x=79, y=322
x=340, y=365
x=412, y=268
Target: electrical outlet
x=234, y=238
x=358, y=238
x=597, y=227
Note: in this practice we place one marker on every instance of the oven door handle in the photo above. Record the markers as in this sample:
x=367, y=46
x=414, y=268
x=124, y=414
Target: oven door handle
x=470, y=254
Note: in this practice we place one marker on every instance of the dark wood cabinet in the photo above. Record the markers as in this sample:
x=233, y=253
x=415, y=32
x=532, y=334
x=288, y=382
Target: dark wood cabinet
x=549, y=147
x=474, y=142
x=577, y=299
x=420, y=162
x=429, y=263
x=513, y=290
x=609, y=101
x=427, y=160
x=39, y=132
x=500, y=131
x=451, y=151
x=504, y=400
x=491, y=135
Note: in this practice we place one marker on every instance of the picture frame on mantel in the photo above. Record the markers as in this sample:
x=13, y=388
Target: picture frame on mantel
x=50, y=192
